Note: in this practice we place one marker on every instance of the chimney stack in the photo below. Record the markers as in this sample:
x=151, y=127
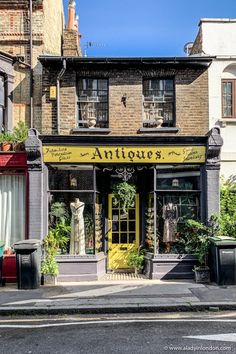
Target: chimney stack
x=71, y=15
x=71, y=37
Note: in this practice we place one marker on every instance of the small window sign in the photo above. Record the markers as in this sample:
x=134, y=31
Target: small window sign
x=53, y=92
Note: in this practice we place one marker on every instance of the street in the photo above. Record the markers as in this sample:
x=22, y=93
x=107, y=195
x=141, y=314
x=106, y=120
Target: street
x=163, y=333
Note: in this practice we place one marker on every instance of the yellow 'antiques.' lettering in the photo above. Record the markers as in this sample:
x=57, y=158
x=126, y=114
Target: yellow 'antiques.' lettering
x=124, y=154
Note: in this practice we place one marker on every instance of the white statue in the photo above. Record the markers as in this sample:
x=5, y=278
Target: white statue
x=77, y=238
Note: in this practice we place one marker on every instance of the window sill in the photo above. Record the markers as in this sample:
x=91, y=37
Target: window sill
x=91, y=130
x=159, y=130
x=224, y=121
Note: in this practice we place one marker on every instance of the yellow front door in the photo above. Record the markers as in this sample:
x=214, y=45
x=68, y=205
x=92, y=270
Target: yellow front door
x=123, y=233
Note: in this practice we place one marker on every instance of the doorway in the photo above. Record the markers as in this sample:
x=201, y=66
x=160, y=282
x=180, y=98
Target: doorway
x=123, y=233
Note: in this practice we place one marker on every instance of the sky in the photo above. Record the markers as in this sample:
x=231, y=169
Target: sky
x=144, y=28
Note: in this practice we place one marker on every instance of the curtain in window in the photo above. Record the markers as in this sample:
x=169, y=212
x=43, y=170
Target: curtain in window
x=12, y=209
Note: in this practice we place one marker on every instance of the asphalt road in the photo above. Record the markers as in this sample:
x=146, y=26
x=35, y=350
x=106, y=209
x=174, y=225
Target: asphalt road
x=118, y=334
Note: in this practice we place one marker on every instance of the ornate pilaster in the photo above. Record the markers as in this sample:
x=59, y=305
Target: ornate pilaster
x=37, y=186
x=211, y=175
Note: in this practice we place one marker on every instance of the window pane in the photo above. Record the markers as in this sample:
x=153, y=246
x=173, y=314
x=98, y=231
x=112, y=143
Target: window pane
x=12, y=209
x=158, y=105
x=2, y=91
x=78, y=211
x=1, y=119
x=227, y=99
x=93, y=103
x=60, y=179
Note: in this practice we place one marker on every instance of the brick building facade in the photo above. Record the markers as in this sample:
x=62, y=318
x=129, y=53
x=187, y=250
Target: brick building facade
x=47, y=30
x=142, y=121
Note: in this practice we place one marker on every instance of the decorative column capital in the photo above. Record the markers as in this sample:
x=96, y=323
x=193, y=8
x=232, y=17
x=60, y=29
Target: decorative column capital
x=214, y=145
x=33, y=148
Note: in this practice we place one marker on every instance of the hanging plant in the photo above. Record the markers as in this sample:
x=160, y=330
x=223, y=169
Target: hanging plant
x=124, y=195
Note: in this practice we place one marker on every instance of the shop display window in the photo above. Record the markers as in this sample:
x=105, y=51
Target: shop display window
x=177, y=199
x=71, y=190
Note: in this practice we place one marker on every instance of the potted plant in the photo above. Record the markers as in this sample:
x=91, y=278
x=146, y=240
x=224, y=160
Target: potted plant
x=136, y=261
x=20, y=134
x=6, y=141
x=194, y=238
x=124, y=195
x=49, y=266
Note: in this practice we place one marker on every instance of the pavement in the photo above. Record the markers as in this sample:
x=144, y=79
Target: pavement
x=131, y=296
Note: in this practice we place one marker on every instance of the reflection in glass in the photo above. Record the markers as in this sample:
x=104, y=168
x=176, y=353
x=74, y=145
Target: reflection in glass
x=123, y=226
x=132, y=226
x=132, y=214
x=115, y=238
x=123, y=238
x=131, y=237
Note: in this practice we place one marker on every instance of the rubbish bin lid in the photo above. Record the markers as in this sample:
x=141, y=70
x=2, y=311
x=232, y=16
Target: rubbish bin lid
x=27, y=244
x=223, y=240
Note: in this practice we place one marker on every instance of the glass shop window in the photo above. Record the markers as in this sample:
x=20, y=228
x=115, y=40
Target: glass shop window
x=12, y=209
x=63, y=178
x=172, y=209
x=72, y=214
x=75, y=210
x=182, y=180
x=177, y=198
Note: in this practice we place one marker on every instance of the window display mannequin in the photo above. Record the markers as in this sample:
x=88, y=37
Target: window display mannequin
x=77, y=238
x=170, y=216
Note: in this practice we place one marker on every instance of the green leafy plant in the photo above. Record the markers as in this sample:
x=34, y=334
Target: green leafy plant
x=136, y=260
x=124, y=195
x=20, y=132
x=227, y=217
x=50, y=246
x=7, y=137
x=61, y=233
x=59, y=213
x=194, y=238
x=60, y=226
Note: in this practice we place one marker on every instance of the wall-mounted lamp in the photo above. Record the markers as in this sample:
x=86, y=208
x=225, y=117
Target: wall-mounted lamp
x=124, y=99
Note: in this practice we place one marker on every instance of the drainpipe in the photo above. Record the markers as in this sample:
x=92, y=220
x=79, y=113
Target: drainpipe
x=31, y=63
x=59, y=76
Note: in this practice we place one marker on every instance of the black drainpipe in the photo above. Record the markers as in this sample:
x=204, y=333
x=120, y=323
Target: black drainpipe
x=31, y=63
x=59, y=76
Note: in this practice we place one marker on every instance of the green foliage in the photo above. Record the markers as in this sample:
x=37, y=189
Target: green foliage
x=6, y=137
x=194, y=238
x=227, y=217
x=136, y=260
x=124, y=195
x=61, y=233
x=60, y=227
x=50, y=246
x=59, y=213
x=49, y=266
x=20, y=132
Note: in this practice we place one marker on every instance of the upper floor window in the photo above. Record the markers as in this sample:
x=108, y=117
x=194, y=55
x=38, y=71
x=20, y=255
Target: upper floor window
x=93, y=103
x=229, y=98
x=158, y=103
x=2, y=102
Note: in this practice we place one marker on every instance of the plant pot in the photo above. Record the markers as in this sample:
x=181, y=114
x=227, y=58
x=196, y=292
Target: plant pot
x=19, y=147
x=49, y=279
x=6, y=146
x=202, y=274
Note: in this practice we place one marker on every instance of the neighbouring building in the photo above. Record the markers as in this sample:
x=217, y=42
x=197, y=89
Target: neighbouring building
x=216, y=37
x=27, y=29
